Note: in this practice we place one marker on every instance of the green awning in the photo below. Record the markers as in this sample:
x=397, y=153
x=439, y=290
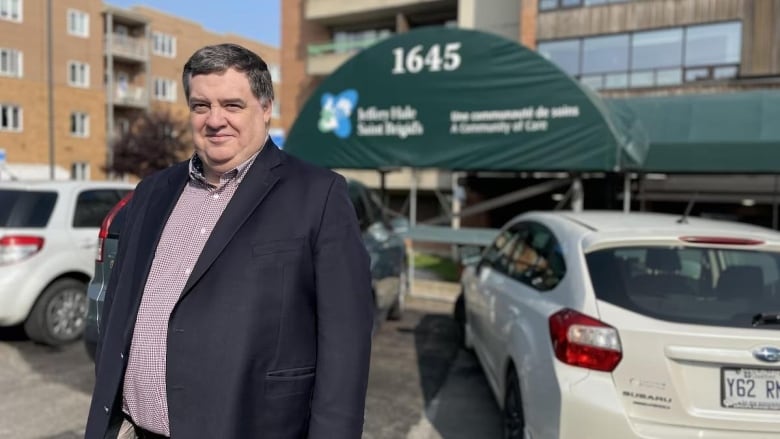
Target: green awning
x=735, y=132
x=462, y=100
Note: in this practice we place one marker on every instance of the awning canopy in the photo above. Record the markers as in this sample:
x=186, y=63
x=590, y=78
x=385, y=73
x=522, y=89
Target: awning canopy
x=709, y=133
x=462, y=100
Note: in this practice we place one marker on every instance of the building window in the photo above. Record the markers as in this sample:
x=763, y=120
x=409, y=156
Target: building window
x=276, y=75
x=655, y=58
x=276, y=109
x=547, y=5
x=10, y=118
x=79, y=171
x=78, y=74
x=11, y=10
x=163, y=44
x=165, y=89
x=564, y=53
x=712, y=51
x=78, y=23
x=79, y=124
x=11, y=63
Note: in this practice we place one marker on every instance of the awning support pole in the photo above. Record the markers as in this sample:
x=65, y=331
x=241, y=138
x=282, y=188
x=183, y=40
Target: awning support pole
x=626, y=192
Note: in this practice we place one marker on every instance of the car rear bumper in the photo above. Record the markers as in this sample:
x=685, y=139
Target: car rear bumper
x=592, y=408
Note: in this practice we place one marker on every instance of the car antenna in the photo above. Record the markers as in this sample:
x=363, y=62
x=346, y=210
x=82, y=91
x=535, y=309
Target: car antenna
x=688, y=208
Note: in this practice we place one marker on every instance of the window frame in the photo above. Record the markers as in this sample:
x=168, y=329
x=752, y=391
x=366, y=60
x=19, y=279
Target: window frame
x=163, y=44
x=77, y=23
x=7, y=6
x=18, y=118
x=82, y=72
x=79, y=124
x=164, y=89
x=10, y=54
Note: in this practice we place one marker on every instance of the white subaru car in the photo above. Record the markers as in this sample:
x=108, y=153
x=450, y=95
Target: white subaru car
x=48, y=242
x=611, y=325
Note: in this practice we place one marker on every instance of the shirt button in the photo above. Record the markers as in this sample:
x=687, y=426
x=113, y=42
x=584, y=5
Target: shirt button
x=188, y=271
x=203, y=231
x=215, y=196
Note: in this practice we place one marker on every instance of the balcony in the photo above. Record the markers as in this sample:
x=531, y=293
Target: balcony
x=128, y=48
x=131, y=97
x=338, y=11
x=325, y=58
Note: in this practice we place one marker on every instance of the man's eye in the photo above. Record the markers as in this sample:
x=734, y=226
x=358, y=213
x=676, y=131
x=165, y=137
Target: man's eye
x=233, y=107
x=199, y=108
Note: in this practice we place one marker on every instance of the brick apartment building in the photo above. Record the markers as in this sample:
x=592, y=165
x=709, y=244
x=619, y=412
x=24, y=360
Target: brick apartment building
x=74, y=74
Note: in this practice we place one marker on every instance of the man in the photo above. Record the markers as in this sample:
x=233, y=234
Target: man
x=240, y=305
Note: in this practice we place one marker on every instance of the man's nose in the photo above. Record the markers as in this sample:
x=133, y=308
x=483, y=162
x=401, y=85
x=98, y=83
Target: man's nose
x=216, y=117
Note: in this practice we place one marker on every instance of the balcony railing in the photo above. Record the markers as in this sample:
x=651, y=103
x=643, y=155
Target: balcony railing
x=127, y=47
x=130, y=96
x=341, y=46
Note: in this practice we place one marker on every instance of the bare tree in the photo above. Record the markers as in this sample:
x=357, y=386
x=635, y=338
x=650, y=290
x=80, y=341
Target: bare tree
x=155, y=141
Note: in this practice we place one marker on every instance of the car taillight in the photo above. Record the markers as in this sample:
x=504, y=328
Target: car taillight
x=15, y=248
x=720, y=240
x=579, y=340
x=106, y=224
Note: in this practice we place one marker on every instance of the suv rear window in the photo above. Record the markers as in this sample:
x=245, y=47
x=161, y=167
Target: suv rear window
x=697, y=285
x=26, y=209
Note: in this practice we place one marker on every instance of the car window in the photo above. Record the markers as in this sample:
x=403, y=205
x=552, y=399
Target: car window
x=536, y=259
x=697, y=285
x=26, y=209
x=93, y=205
x=499, y=254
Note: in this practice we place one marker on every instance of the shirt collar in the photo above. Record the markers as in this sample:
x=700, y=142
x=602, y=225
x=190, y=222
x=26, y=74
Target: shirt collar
x=197, y=173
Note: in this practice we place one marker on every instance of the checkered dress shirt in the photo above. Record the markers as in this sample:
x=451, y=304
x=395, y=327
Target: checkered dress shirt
x=189, y=226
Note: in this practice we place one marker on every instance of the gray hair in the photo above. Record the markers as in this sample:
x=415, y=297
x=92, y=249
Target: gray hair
x=221, y=57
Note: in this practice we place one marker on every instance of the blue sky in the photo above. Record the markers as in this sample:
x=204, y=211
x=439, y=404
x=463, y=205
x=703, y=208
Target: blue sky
x=256, y=19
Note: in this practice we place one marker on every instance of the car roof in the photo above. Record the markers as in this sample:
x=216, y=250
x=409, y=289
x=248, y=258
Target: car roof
x=63, y=184
x=595, y=226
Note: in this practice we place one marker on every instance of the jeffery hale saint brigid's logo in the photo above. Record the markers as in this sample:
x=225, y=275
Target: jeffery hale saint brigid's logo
x=335, y=113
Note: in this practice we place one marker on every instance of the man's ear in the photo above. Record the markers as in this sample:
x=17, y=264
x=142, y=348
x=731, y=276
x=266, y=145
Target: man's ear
x=267, y=106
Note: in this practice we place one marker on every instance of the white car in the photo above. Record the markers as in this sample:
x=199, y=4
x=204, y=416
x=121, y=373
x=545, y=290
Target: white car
x=611, y=325
x=48, y=242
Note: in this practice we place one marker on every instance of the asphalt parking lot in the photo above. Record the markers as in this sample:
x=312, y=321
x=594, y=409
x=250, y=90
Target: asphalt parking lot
x=422, y=385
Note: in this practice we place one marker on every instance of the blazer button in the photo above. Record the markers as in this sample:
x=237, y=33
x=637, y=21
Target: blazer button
x=105, y=408
x=122, y=355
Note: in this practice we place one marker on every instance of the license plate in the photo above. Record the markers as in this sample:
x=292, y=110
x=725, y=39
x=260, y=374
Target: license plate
x=742, y=388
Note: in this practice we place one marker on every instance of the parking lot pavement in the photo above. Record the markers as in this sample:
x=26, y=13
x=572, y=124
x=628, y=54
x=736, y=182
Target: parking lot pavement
x=422, y=384
x=44, y=392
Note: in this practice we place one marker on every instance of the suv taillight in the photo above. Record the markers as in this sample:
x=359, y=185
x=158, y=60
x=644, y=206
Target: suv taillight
x=15, y=248
x=106, y=224
x=582, y=341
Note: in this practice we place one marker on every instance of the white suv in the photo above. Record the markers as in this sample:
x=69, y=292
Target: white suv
x=625, y=326
x=48, y=242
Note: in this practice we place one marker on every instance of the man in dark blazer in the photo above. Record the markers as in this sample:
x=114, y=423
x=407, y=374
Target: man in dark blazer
x=240, y=304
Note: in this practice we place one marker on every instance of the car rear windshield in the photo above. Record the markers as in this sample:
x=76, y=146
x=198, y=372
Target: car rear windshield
x=25, y=209
x=697, y=285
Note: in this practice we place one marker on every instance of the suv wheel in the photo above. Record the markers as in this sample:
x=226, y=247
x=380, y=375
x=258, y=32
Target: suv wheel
x=397, y=310
x=514, y=421
x=59, y=315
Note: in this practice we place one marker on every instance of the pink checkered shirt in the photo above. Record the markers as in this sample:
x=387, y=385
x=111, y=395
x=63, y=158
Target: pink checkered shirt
x=189, y=226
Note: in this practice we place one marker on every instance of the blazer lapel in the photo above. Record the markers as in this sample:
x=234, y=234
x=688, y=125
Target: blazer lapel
x=257, y=183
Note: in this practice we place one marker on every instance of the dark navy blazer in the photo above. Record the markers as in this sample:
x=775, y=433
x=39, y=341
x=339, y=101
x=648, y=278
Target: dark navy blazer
x=271, y=336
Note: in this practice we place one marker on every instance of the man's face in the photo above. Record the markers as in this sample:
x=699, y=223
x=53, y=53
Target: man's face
x=229, y=123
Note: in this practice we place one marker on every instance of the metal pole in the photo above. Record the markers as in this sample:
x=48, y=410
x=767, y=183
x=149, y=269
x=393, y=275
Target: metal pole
x=50, y=74
x=412, y=223
x=626, y=192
